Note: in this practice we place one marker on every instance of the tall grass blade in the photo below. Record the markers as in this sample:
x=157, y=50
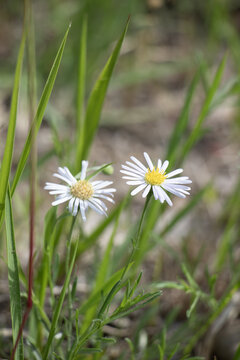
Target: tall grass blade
x=13, y=278
x=97, y=96
x=81, y=94
x=196, y=132
x=8, y=152
x=183, y=119
x=102, y=274
x=40, y=112
x=59, y=305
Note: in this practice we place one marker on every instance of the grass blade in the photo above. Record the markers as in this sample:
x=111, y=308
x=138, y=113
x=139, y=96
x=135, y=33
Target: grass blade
x=95, y=103
x=40, y=112
x=81, y=94
x=183, y=119
x=194, y=136
x=13, y=278
x=102, y=274
x=8, y=152
x=59, y=305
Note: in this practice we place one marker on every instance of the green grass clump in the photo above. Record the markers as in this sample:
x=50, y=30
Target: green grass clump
x=51, y=317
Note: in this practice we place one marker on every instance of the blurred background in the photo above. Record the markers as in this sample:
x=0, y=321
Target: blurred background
x=167, y=42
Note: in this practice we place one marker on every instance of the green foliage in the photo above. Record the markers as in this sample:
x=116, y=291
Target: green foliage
x=13, y=277
x=67, y=322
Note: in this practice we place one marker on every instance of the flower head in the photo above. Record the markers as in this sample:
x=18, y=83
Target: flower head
x=155, y=178
x=82, y=193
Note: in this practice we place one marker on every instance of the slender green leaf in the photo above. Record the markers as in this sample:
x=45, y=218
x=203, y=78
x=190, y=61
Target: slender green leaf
x=13, y=278
x=8, y=151
x=183, y=119
x=59, y=305
x=81, y=94
x=96, y=296
x=187, y=209
x=194, y=136
x=40, y=112
x=237, y=354
x=95, y=102
x=101, y=275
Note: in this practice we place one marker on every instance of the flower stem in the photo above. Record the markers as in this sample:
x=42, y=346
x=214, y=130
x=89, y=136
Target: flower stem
x=69, y=298
x=136, y=240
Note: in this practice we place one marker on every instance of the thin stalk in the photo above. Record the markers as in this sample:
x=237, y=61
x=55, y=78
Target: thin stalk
x=59, y=304
x=77, y=345
x=69, y=298
x=221, y=306
x=32, y=106
x=31, y=64
x=138, y=235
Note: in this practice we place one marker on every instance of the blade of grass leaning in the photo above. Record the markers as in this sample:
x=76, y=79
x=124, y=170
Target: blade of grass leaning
x=40, y=112
x=81, y=94
x=101, y=274
x=13, y=278
x=97, y=96
x=59, y=305
x=183, y=212
x=9, y=145
x=96, y=296
x=183, y=120
x=194, y=136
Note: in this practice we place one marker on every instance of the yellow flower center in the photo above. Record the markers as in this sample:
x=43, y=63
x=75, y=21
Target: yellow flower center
x=154, y=177
x=82, y=189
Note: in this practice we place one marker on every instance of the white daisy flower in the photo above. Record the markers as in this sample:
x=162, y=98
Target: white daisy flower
x=82, y=193
x=155, y=178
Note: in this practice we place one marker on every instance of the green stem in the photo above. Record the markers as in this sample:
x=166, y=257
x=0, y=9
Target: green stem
x=223, y=303
x=69, y=298
x=59, y=304
x=136, y=241
x=13, y=279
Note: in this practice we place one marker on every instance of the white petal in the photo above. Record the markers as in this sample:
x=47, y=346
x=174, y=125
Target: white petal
x=173, y=191
x=138, y=189
x=184, y=192
x=104, y=197
x=105, y=191
x=164, y=166
x=164, y=195
x=139, y=169
x=84, y=169
x=130, y=173
x=146, y=191
x=149, y=161
x=102, y=184
x=61, y=200
x=82, y=209
x=175, y=172
x=132, y=178
x=70, y=205
x=53, y=186
x=155, y=193
x=178, y=187
x=160, y=194
x=137, y=172
x=180, y=180
x=75, y=207
x=96, y=208
x=64, y=178
x=100, y=203
x=138, y=163
x=159, y=164
x=58, y=192
x=135, y=182
x=71, y=177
